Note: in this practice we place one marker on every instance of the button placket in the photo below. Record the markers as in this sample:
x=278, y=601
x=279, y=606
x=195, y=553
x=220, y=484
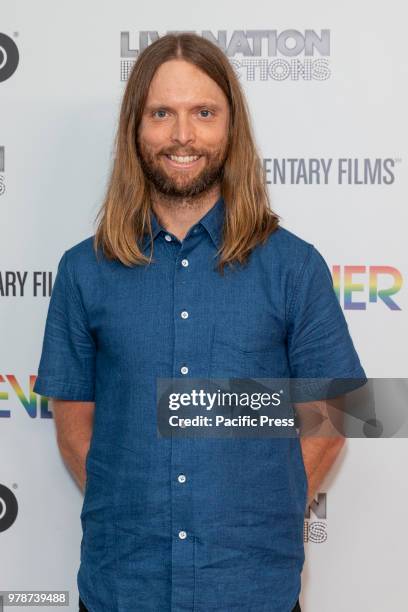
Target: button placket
x=182, y=455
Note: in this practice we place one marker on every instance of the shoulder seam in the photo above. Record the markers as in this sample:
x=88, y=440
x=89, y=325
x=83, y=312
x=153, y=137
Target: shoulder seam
x=74, y=290
x=299, y=279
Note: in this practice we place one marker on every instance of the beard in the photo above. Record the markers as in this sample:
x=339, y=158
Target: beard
x=181, y=186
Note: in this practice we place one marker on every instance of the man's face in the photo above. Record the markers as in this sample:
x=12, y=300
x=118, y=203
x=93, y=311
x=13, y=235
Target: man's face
x=183, y=135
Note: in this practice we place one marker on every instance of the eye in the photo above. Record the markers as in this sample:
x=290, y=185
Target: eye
x=159, y=114
x=205, y=110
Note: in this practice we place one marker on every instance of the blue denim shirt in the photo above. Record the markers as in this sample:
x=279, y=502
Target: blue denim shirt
x=190, y=524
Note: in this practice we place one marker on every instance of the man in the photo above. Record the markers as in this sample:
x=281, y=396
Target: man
x=189, y=274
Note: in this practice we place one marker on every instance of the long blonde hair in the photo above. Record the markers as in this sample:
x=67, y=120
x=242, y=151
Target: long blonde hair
x=124, y=216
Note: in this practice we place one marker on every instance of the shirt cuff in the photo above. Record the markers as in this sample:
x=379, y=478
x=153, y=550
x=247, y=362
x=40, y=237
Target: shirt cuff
x=315, y=389
x=49, y=387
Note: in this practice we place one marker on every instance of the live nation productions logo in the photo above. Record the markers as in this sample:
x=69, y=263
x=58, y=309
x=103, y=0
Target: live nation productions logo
x=256, y=55
x=8, y=507
x=9, y=57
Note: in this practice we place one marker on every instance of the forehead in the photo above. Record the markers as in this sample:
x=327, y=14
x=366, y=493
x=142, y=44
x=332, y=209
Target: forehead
x=178, y=81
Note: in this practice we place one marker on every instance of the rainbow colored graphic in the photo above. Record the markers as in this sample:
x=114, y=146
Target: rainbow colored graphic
x=387, y=274
x=29, y=403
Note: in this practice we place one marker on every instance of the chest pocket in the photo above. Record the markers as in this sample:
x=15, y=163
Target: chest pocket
x=243, y=355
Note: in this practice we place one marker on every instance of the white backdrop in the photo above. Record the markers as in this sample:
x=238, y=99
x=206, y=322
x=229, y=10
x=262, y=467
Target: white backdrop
x=57, y=122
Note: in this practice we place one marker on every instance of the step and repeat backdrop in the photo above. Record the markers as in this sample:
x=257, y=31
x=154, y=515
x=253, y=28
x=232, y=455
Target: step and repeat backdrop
x=327, y=90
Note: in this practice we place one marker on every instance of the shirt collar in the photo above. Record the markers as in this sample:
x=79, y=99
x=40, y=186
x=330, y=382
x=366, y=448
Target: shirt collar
x=212, y=221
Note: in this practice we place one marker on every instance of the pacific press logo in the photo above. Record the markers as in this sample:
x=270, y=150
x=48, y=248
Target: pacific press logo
x=8, y=507
x=255, y=55
x=9, y=57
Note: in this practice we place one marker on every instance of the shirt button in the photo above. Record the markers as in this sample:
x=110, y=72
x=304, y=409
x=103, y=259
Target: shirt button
x=184, y=369
x=181, y=478
x=184, y=314
x=182, y=535
x=184, y=262
x=168, y=238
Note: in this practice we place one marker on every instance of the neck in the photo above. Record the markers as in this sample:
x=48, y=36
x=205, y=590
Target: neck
x=177, y=215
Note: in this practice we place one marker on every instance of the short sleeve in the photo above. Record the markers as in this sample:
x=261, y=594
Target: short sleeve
x=318, y=341
x=67, y=364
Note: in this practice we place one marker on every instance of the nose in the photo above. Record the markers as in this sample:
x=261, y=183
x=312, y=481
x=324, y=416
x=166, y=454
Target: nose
x=182, y=132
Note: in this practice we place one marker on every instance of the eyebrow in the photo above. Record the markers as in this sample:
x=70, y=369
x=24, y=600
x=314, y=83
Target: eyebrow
x=209, y=104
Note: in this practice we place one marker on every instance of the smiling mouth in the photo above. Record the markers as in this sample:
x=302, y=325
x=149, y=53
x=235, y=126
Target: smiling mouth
x=182, y=161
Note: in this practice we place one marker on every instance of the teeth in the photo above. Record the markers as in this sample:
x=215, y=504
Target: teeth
x=184, y=160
